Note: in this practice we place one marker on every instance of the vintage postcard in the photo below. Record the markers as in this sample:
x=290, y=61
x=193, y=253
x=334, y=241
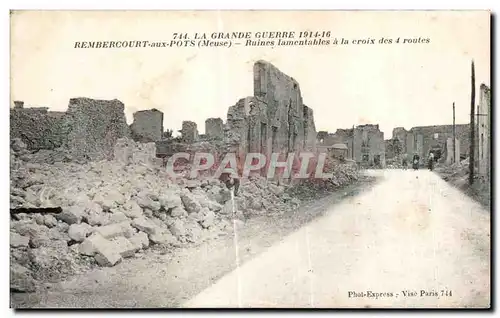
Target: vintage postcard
x=250, y=159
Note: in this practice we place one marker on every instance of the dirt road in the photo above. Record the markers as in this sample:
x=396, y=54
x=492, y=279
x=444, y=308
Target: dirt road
x=412, y=241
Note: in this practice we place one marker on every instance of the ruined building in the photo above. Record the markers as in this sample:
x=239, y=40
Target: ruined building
x=275, y=119
x=396, y=146
x=484, y=132
x=94, y=126
x=214, y=128
x=189, y=132
x=369, y=146
x=364, y=144
x=36, y=127
x=341, y=136
x=425, y=139
x=147, y=125
x=88, y=129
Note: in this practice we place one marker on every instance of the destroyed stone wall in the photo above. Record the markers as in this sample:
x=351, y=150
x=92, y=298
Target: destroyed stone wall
x=326, y=139
x=424, y=138
x=484, y=132
x=94, y=127
x=369, y=145
x=147, y=125
x=273, y=120
x=189, y=132
x=37, y=128
x=310, y=130
x=394, y=148
x=214, y=128
x=341, y=136
x=237, y=129
x=400, y=134
x=285, y=109
x=449, y=158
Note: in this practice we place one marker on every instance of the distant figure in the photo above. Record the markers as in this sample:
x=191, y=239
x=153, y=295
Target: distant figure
x=416, y=161
x=230, y=179
x=405, y=161
x=430, y=161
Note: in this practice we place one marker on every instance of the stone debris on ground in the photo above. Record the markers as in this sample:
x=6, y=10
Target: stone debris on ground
x=457, y=174
x=114, y=209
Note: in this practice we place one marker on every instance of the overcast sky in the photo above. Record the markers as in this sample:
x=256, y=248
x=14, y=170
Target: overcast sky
x=391, y=85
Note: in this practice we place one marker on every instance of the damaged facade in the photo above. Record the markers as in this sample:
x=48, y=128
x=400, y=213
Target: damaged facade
x=94, y=126
x=37, y=127
x=88, y=129
x=214, y=128
x=364, y=144
x=423, y=140
x=341, y=136
x=147, y=125
x=189, y=132
x=328, y=140
x=369, y=146
x=274, y=120
x=484, y=132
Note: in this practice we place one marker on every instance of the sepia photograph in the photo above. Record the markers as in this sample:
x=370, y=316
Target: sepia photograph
x=250, y=159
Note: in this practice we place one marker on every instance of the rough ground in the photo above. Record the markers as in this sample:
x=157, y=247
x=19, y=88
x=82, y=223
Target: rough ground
x=168, y=279
x=458, y=176
x=413, y=232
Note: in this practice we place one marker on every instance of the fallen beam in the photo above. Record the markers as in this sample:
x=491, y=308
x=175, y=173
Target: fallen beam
x=15, y=211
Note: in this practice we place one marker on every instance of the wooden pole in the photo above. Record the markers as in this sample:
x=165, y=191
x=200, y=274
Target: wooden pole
x=454, y=137
x=352, y=144
x=472, y=139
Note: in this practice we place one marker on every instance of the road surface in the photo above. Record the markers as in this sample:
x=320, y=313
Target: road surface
x=412, y=241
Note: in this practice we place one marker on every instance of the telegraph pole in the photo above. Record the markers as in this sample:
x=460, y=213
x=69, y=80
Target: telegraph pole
x=454, y=137
x=472, y=139
x=352, y=144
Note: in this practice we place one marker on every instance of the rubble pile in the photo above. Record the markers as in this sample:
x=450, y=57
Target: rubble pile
x=459, y=170
x=457, y=175
x=394, y=163
x=343, y=174
x=111, y=210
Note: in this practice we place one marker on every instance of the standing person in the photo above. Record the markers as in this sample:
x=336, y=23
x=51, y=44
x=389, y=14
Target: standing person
x=430, y=162
x=230, y=179
x=416, y=161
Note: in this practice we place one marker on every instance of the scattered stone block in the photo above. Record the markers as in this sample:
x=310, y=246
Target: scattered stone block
x=144, y=225
x=20, y=279
x=78, y=232
x=91, y=244
x=49, y=220
x=17, y=240
x=140, y=240
x=114, y=230
x=124, y=247
x=71, y=215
